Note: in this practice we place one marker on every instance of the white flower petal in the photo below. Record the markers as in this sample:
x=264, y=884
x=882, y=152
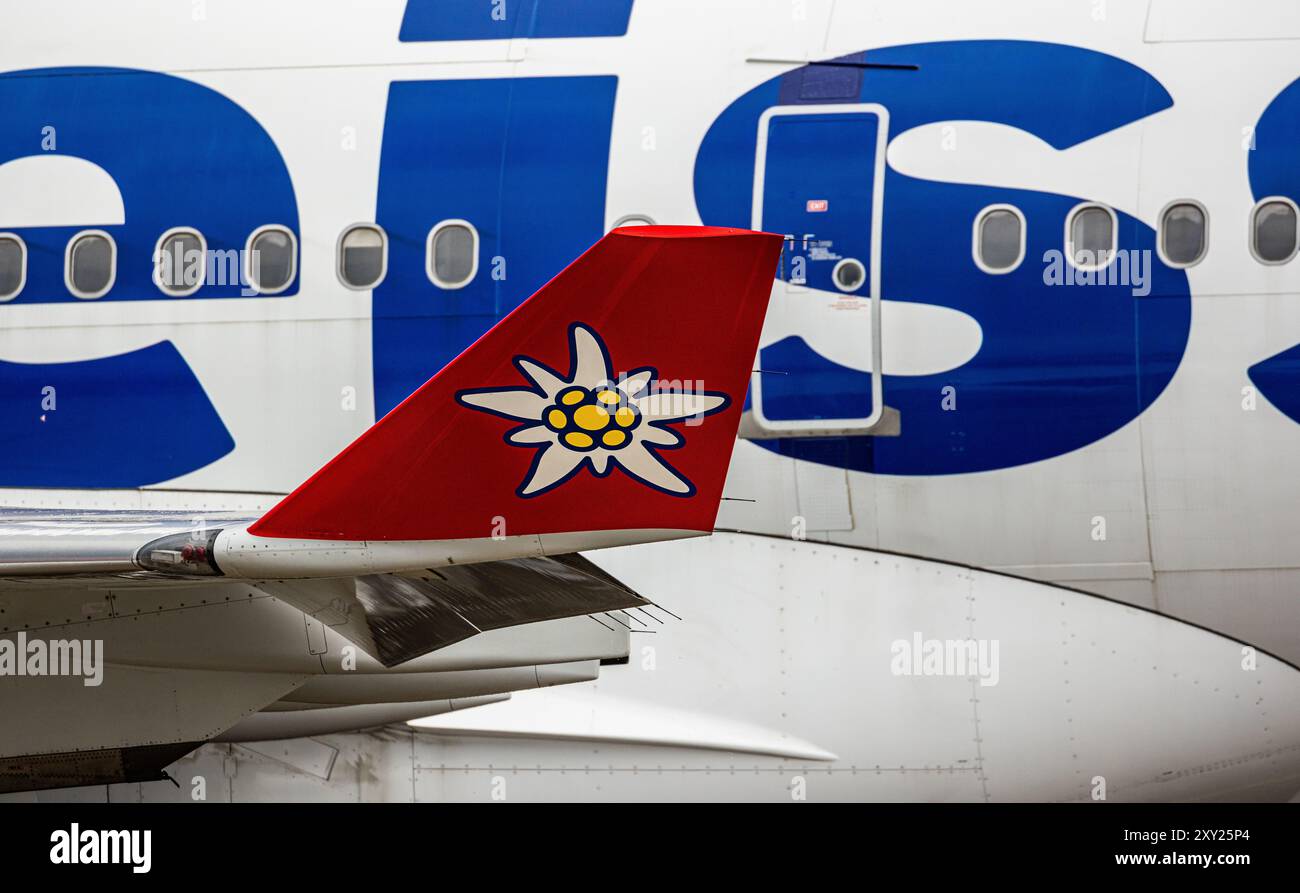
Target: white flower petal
x=534, y=435
x=590, y=368
x=643, y=464
x=513, y=402
x=544, y=378
x=658, y=436
x=635, y=384
x=554, y=464
x=671, y=406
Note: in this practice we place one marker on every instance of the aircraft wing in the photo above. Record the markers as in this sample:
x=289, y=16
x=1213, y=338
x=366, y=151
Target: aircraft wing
x=393, y=617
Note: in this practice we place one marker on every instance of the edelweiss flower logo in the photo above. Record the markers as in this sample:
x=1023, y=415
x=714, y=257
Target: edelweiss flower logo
x=591, y=418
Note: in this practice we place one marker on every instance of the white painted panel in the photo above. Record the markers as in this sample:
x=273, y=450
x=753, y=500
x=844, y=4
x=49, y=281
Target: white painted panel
x=57, y=190
x=791, y=31
x=823, y=496
x=1172, y=21
x=301, y=754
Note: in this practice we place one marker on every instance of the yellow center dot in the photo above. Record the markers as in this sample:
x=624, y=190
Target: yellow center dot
x=591, y=418
x=578, y=439
x=572, y=397
x=613, y=438
x=609, y=397
x=556, y=418
x=625, y=417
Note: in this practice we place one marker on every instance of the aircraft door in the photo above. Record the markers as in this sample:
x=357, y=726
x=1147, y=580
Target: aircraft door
x=819, y=180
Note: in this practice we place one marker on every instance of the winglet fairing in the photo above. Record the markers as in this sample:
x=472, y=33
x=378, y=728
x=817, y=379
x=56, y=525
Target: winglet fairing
x=601, y=412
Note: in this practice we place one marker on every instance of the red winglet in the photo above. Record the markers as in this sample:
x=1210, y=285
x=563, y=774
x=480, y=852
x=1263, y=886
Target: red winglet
x=609, y=400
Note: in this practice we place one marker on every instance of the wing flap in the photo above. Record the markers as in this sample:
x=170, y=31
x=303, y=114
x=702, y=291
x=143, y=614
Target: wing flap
x=395, y=618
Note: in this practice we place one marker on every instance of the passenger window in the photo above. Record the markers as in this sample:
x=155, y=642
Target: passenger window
x=1090, y=236
x=13, y=266
x=272, y=259
x=1273, y=238
x=363, y=256
x=1182, y=234
x=999, y=239
x=91, y=264
x=180, y=262
x=453, y=254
